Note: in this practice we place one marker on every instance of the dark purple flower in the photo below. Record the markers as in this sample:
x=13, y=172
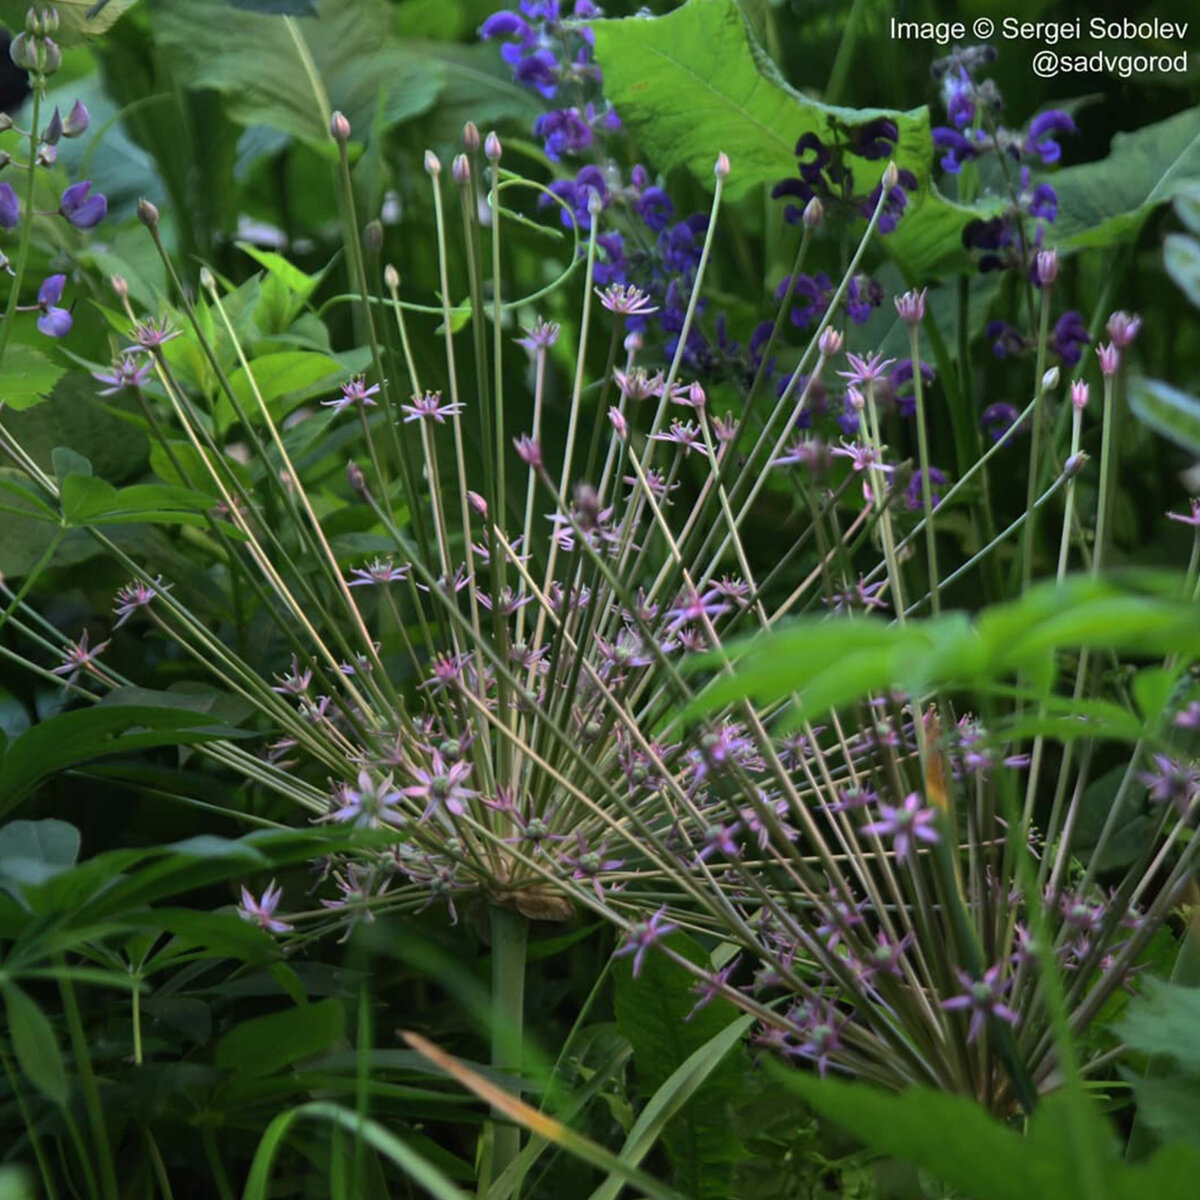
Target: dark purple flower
x=914, y=495
x=655, y=208
x=10, y=207
x=997, y=419
x=956, y=149
x=1043, y=203
x=564, y=131
x=1039, y=141
x=81, y=209
x=874, y=140
x=53, y=321
x=1069, y=337
x=958, y=94
x=1005, y=338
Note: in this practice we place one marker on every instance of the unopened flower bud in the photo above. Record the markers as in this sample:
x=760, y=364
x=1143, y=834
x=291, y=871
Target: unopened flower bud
x=1110, y=359
x=373, y=237
x=911, y=307
x=1074, y=464
x=23, y=53
x=207, y=281
x=1047, y=266
x=120, y=286
x=75, y=123
x=595, y=203
x=433, y=164
x=471, y=137
x=891, y=176
x=1122, y=329
x=460, y=169
x=53, y=130
x=339, y=127
x=49, y=56
x=33, y=22
x=478, y=504
x=492, y=147
x=814, y=213
x=1079, y=395
x=357, y=480
x=391, y=277
x=1050, y=380
x=830, y=342
x=617, y=417
x=147, y=213
x=722, y=169
x=633, y=342
x=855, y=398
x=696, y=397
x=49, y=20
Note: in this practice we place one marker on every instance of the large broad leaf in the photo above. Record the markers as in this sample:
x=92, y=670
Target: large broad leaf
x=1105, y=202
x=284, y=380
x=361, y=68
x=28, y=376
x=651, y=1012
x=264, y=1045
x=954, y=1139
x=1181, y=257
x=1164, y=1019
x=87, y=500
x=36, y=1047
x=692, y=84
x=79, y=736
x=1167, y=410
x=34, y=851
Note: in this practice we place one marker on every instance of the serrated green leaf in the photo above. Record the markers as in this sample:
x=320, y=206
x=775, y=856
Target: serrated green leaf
x=29, y=376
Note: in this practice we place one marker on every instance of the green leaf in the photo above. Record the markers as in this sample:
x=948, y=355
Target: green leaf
x=284, y=379
x=77, y=19
x=283, y=8
x=34, y=1044
x=1181, y=257
x=87, y=500
x=33, y=851
x=78, y=736
x=1168, y=411
x=28, y=376
x=1164, y=1018
x=954, y=1139
x=692, y=83
x=412, y=1164
x=357, y=62
x=1105, y=202
x=1169, y=1105
x=264, y=1045
x=669, y=1051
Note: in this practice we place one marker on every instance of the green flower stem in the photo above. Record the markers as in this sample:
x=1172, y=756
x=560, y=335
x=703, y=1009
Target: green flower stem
x=1107, y=474
x=926, y=483
x=18, y=278
x=510, y=934
x=1035, y=445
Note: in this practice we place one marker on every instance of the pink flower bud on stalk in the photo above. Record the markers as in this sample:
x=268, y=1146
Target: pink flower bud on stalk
x=618, y=422
x=478, y=504
x=120, y=286
x=722, y=169
x=814, y=213
x=460, y=169
x=1122, y=329
x=147, y=213
x=357, y=480
x=633, y=342
x=1074, y=464
x=433, y=164
x=339, y=128
x=1079, y=395
x=1110, y=360
x=696, y=397
x=492, y=148
x=911, y=307
x=470, y=139
x=855, y=398
x=1047, y=266
x=830, y=342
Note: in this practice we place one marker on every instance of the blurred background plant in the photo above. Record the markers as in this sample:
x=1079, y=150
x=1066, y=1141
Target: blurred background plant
x=222, y=626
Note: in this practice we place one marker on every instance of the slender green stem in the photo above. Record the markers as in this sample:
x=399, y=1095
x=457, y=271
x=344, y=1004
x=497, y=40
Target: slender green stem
x=14, y=295
x=510, y=933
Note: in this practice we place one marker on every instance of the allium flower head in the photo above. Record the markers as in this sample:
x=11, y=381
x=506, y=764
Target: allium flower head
x=124, y=373
x=1122, y=329
x=541, y=336
x=78, y=657
x=642, y=936
x=906, y=824
x=626, y=300
x=983, y=998
x=429, y=407
x=149, y=335
x=866, y=368
x=135, y=595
